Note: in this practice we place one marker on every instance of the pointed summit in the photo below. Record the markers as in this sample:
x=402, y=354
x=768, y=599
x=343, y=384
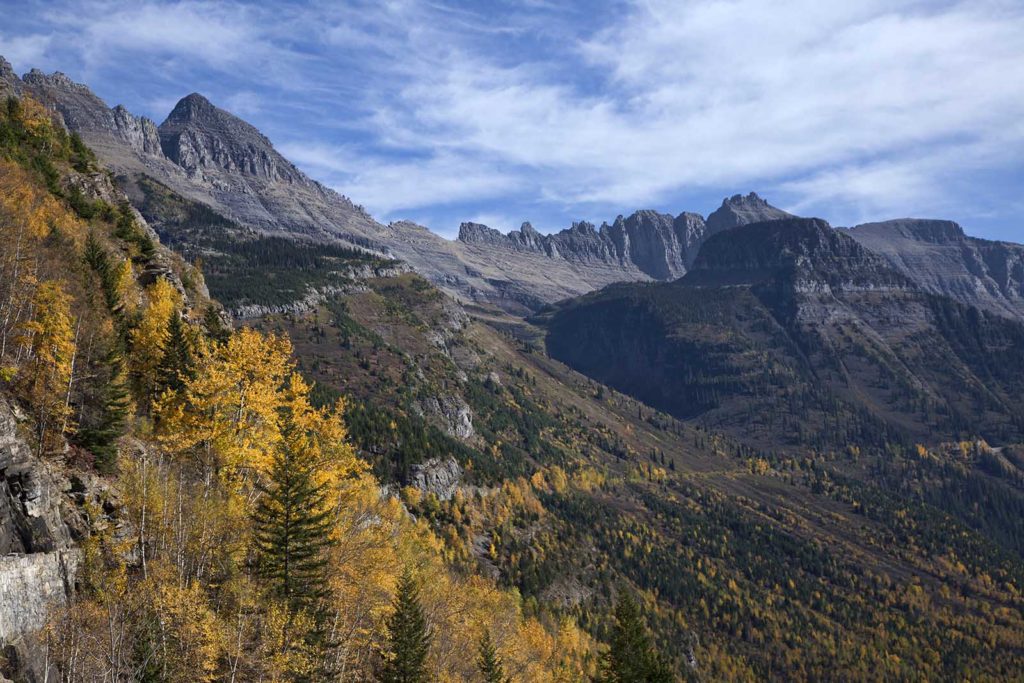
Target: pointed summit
x=192, y=107
x=740, y=210
x=206, y=140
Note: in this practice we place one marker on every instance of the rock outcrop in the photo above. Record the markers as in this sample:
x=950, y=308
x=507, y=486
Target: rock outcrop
x=939, y=257
x=38, y=527
x=438, y=476
x=451, y=412
x=739, y=210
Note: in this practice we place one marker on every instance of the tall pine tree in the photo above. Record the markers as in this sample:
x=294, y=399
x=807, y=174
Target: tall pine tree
x=178, y=364
x=489, y=662
x=111, y=404
x=293, y=529
x=408, y=637
x=631, y=657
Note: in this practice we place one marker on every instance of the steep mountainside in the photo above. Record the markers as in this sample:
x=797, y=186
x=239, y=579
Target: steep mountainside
x=210, y=156
x=791, y=331
x=939, y=257
x=113, y=519
x=596, y=490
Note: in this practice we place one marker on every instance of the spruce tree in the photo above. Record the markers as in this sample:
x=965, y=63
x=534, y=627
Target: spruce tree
x=489, y=662
x=631, y=657
x=112, y=401
x=408, y=637
x=292, y=532
x=178, y=363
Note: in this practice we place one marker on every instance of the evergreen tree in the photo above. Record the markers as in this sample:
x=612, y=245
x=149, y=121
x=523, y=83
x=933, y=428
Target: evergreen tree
x=178, y=363
x=489, y=662
x=631, y=657
x=292, y=529
x=408, y=637
x=99, y=434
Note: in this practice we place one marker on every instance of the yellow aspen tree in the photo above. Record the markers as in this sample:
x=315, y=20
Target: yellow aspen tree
x=149, y=338
x=27, y=214
x=229, y=414
x=49, y=339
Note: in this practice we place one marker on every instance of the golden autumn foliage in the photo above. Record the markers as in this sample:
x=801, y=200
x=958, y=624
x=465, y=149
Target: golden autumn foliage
x=28, y=214
x=190, y=502
x=149, y=338
x=48, y=338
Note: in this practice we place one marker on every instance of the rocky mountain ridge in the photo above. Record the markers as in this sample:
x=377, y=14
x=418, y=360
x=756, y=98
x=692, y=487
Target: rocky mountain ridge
x=208, y=155
x=942, y=259
x=789, y=328
x=658, y=245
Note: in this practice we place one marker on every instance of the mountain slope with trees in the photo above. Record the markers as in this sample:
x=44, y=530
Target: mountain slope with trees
x=222, y=527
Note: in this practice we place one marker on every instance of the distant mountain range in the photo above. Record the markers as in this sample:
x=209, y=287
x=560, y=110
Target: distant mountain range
x=210, y=156
x=790, y=331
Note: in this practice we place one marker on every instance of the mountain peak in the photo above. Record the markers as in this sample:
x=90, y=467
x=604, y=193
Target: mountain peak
x=194, y=108
x=741, y=210
x=9, y=80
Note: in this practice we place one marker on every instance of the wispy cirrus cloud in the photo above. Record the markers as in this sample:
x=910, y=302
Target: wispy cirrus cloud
x=447, y=110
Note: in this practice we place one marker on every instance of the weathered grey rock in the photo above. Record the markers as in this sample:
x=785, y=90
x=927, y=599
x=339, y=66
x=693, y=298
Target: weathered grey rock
x=31, y=492
x=452, y=412
x=739, y=210
x=32, y=585
x=940, y=258
x=437, y=476
x=10, y=84
x=531, y=269
x=140, y=133
x=38, y=561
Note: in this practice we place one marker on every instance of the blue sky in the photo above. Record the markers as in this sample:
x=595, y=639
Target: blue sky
x=501, y=112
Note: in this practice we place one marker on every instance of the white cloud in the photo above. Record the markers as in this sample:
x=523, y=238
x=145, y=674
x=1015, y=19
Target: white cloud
x=243, y=103
x=732, y=94
x=25, y=52
x=387, y=186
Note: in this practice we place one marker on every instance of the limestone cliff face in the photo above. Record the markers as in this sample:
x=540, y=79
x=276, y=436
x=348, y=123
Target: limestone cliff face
x=437, y=476
x=202, y=138
x=38, y=526
x=939, y=257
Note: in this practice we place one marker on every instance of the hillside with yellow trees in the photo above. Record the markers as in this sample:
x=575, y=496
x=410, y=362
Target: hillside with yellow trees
x=176, y=432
